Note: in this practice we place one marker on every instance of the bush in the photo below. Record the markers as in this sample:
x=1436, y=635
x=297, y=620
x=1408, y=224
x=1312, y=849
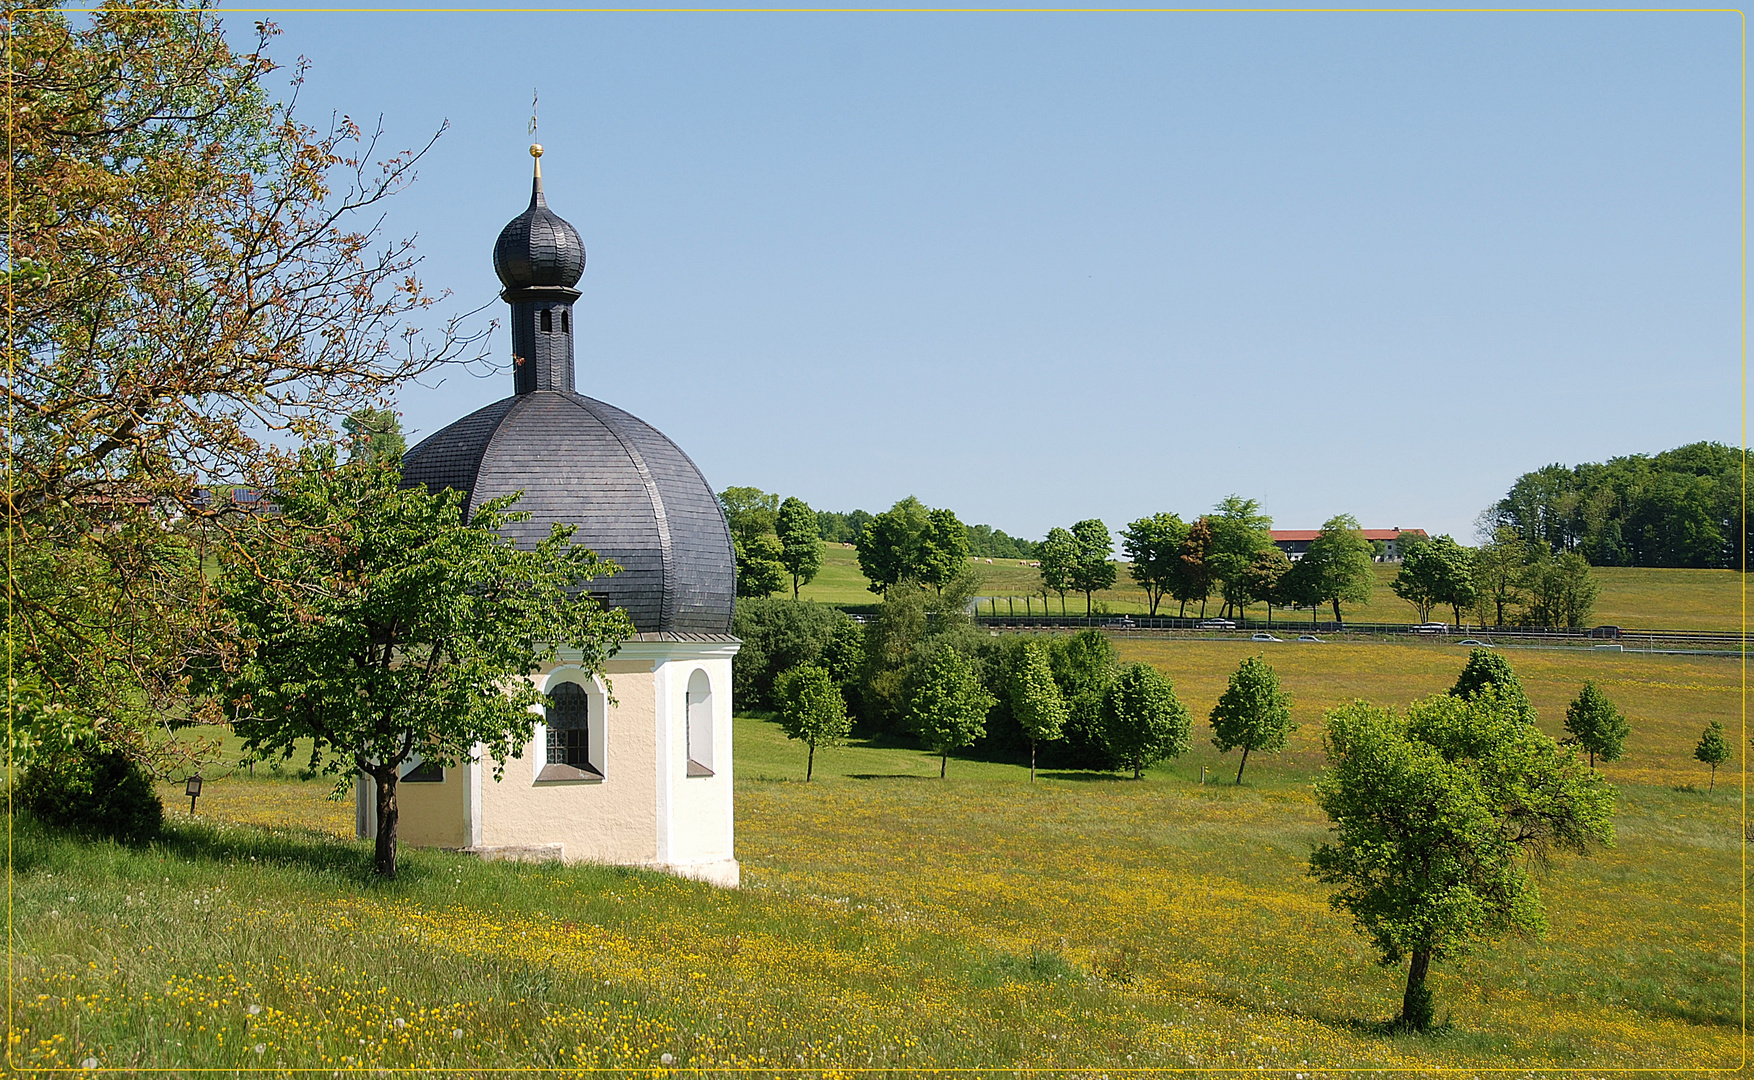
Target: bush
x=103, y=793
x=778, y=635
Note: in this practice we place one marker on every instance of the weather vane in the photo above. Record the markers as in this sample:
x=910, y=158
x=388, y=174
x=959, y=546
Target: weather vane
x=535, y=95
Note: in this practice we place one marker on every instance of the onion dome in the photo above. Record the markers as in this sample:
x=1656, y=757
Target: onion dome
x=633, y=495
x=538, y=247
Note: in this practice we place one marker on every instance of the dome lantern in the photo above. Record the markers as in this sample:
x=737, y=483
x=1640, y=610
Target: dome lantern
x=539, y=258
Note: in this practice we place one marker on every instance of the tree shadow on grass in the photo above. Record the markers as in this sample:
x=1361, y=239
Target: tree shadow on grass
x=312, y=853
x=890, y=776
x=1084, y=777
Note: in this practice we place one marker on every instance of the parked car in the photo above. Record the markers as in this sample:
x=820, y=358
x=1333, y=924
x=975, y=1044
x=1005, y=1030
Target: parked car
x=1265, y=637
x=1214, y=624
x=1122, y=623
x=1610, y=632
x=1431, y=628
x=1474, y=643
x=1309, y=637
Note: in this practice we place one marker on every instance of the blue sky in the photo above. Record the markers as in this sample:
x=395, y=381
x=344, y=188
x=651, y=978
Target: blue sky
x=1044, y=267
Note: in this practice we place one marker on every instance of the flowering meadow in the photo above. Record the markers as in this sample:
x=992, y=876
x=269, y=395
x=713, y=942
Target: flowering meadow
x=892, y=921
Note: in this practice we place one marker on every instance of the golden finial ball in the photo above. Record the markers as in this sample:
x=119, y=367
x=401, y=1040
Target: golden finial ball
x=536, y=150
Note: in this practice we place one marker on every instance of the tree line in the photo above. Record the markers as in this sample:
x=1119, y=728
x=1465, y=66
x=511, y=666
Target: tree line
x=1683, y=508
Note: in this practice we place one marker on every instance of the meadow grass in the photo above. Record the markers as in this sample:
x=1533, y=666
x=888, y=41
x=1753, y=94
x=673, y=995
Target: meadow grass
x=890, y=920
x=1630, y=596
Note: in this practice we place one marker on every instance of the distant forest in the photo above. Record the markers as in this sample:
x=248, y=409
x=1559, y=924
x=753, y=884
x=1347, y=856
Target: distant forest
x=984, y=541
x=1682, y=507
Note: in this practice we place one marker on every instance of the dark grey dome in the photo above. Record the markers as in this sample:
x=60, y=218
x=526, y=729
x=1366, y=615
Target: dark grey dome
x=635, y=497
x=538, y=247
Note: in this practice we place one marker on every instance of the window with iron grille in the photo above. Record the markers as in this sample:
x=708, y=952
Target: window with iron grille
x=569, y=726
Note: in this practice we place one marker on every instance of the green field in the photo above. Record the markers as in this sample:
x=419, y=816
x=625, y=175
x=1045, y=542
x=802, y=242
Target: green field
x=1630, y=596
x=891, y=920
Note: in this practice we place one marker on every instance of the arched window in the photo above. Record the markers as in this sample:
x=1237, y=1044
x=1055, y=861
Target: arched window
x=565, y=323
x=547, y=320
x=568, y=754
x=698, y=704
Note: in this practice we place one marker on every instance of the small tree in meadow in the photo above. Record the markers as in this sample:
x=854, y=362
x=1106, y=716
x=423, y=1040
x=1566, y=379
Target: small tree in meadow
x=812, y=710
x=1059, y=564
x=800, y=542
x=1253, y=712
x=1594, y=723
x=1143, y=721
x=948, y=705
x=1488, y=668
x=1435, y=831
x=1712, y=750
x=1036, y=700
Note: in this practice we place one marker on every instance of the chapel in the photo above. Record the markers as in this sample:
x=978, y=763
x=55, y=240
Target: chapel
x=645, y=781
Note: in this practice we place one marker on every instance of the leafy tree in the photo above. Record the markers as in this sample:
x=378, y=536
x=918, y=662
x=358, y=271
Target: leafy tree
x=1338, y=567
x=778, y=635
x=800, y=545
x=380, y=626
x=1435, y=571
x=944, y=549
x=1059, y=563
x=1261, y=580
x=1143, y=721
x=1595, y=724
x=891, y=641
x=1560, y=589
x=1092, y=570
x=812, y=710
x=752, y=514
x=1253, y=712
x=1499, y=571
x=844, y=658
x=761, y=569
x=1418, y=581
x=1152, y=546
x=838, y=528
x=749, y=512
x=1488, y=668
x=1085, y=665
x=1197, y=572
x=1436, y=815
x=948, y=705
x=1036, y=700
x=193, y=276
x=374, y=435
x=1712, y=750
x=910, y=542
x=1239, y=534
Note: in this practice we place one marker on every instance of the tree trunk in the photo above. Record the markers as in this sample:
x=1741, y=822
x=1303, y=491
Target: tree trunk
x=1416, y=1005
x=1137, y=768
x=1182, y=613
x=1202, y=607
x=1154, y=602
x=1336, y=603
x=1713, y=785
x=943, y=763
x=1269, y=615
x=794, y=587
x=1032, y=761
x=1315, y=609
x=1087, y=604
x=1062, y=605
x=1241, y=764
x=384, y=857
x=1592, y=761
x=810, y=763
